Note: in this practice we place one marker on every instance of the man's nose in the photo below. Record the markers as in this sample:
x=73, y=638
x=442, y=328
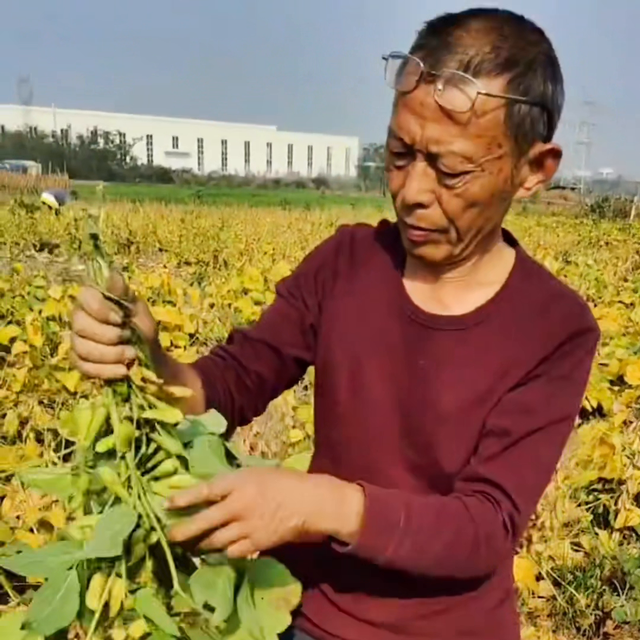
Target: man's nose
x=420, y=185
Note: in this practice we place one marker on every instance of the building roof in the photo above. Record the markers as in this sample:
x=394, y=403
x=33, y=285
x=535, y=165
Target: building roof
x=164, y=119
x=134, y=116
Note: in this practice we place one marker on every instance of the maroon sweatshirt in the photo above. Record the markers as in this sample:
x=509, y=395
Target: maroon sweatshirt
x=452, y=424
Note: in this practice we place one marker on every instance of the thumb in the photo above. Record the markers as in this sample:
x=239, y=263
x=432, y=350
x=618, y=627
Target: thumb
x=117, y=286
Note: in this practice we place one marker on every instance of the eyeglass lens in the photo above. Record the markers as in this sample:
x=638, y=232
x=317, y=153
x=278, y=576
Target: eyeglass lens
x=455, y=91
x=452, y=90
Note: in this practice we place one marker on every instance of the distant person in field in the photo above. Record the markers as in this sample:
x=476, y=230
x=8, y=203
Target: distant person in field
x=449, y=365
x=56, y=199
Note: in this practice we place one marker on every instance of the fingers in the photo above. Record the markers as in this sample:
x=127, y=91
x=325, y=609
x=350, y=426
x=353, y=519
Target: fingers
x=204, y=493
x=242, y=549
x=97, y=348
x=91, y=351
x=214, y=517
x=101, y=371
x=224, y=537
x=117, y=286
x=85, y=326
x=95, y=305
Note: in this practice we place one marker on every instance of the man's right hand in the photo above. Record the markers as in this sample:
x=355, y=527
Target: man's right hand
x=99, y=339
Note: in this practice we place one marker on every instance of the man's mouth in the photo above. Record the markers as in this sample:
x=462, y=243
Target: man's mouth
x=419, y=234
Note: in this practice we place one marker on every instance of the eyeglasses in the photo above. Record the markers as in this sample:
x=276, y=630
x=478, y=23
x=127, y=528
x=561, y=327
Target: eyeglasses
x=452, y=90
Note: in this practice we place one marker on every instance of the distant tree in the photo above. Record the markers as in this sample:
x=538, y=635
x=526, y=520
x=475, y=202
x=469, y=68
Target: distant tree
x=97, y=156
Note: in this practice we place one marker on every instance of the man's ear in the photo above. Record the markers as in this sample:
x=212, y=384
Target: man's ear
x=538, y=168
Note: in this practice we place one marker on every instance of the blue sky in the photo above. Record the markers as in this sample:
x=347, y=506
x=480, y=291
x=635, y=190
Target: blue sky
x=301, y=65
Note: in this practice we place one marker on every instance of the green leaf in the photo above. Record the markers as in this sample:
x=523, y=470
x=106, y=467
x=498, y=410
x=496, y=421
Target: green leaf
x=13, y=548
x=55, y=605
x=46, y=561
x=159, y=635
x=208, y=457
x=210, y=423
x=213, y=422
x=215, y=586
x=276, y=593
x=620, y=615
x=298, y=461
x=54, y=481
x=249, y=461
x=235, y=629
x=112, y=529
x=196, y=633
x=11, y=625
x=166, y=414
x=148, y=605
x=245, y=623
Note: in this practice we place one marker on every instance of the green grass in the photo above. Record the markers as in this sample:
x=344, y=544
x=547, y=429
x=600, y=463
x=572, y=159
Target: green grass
x=234, y=196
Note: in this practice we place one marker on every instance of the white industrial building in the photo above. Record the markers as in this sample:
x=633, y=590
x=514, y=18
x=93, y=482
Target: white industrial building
x=205, y=146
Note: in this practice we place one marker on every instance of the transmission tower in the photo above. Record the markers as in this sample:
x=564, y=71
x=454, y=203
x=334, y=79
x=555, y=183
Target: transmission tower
x=24, y=89
x=584, y=141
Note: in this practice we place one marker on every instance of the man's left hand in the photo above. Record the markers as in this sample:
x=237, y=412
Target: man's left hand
x=256, y=509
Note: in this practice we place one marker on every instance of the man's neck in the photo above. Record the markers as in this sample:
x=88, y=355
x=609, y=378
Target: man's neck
x=461, y=288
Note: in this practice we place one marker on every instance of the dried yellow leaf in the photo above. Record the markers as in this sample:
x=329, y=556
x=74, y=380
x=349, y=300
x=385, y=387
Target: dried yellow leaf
x=19, y=346
x=8, y=333
x=296, y=435
x=632, y=374
x=70, y=379
x=55, y=292
x=57, y=517
x=628, y=516
x=525, y=573
x=34, y=540
x=34, y=331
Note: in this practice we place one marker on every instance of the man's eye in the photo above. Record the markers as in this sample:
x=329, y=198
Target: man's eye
x=400, y=156
x=451, y=178
x=451, y=175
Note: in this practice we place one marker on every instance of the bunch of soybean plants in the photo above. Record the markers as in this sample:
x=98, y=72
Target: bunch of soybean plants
x=111, y=572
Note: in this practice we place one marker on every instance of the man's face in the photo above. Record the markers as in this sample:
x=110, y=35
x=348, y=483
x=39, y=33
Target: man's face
x=451, y=176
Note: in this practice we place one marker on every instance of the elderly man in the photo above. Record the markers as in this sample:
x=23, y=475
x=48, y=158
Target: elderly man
x=450, y=366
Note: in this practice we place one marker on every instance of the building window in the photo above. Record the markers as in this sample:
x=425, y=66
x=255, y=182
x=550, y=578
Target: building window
x=247, y=156
x=289, y=158
x=329, y=159
x=269, y=158
x=175, y=143
x=122, y=144
x=149, y=148
x=347, y=162
x=310, y=160
x=201, y=155
x=225, y=156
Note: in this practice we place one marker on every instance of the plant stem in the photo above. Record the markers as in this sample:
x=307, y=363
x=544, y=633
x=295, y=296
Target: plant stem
x=103, y=601
x=144, y=502
x=8, y=588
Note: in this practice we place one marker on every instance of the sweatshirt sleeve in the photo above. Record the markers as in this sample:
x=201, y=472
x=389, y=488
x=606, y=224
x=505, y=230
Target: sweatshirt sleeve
x=256, y=364
x=467, y=534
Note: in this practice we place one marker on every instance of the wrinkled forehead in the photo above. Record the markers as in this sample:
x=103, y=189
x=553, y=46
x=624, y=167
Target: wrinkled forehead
x=421, y=122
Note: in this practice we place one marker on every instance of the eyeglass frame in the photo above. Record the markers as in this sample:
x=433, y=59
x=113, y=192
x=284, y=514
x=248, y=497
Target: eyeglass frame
x=479, y=90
